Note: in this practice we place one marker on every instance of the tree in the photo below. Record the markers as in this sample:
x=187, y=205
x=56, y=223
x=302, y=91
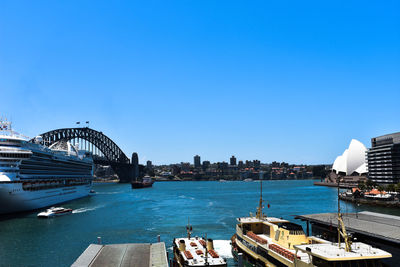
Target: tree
x=370, y=184
x=397, y=186
x=391, y=188
x=361, y=185
x=380, y=188
x=319, y=171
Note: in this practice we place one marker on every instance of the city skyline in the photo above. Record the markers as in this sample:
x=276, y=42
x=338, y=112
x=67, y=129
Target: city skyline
x=268, y=81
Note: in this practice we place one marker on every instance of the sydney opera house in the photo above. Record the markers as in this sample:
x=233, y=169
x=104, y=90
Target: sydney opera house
x=351, y=166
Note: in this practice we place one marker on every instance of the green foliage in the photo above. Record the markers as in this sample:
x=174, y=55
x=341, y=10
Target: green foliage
x=361, y=185
x=381, y=188
x=370, y=184
x=319, y=171
x=391, y=188
x=397, y=187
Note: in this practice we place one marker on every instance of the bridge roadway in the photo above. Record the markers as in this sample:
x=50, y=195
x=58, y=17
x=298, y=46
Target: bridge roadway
x=105, y=151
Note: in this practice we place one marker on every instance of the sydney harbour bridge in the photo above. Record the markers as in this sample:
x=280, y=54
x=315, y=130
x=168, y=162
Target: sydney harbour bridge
x=105, y=151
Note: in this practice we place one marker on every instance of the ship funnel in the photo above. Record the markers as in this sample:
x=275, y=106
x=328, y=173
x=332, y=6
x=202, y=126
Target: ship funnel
x=182, y=246
x=210, y=244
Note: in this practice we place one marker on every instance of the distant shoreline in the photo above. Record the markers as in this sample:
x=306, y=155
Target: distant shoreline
x=229, y=180
x=102, y=181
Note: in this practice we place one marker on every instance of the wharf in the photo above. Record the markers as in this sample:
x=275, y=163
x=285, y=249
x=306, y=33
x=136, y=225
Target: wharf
x=376, y=202
x=342, y=185
x=377, y=229
x=124, y=255
x=386, y=227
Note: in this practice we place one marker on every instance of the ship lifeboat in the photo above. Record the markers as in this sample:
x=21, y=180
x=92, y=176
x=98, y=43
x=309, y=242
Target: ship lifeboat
x=27, y=186
x=35, y=186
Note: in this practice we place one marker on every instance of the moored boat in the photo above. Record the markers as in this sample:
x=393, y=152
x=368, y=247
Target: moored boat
x=269, y=241
x=195, y=251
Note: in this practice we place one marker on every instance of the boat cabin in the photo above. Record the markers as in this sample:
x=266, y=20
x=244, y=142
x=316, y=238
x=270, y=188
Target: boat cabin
x=282, y=232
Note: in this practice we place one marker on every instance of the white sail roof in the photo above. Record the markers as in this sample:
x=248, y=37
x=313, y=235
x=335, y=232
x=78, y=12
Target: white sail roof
x=352, y=160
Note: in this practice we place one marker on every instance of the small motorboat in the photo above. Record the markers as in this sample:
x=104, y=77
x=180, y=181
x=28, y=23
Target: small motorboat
x=53, y=212
x=92, y=192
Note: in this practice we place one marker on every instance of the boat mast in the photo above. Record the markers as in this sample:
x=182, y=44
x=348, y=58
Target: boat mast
x=260, y=205
x=338, y=210
x=206, y=255
x=189, y=229
x=341, y=227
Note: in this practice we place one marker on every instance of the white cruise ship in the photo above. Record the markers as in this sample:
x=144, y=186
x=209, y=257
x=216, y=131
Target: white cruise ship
x=34, y=176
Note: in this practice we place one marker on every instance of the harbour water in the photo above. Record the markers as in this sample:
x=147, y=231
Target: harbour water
x=119, y=214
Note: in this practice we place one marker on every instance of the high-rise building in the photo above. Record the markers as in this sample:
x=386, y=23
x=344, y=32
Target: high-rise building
x=384, y=159
x=206, y=165
x=149, y=164
x=240, y=164
x=197, y=163
x=222, y=165
x=249, y=164
x=232, y=161
x=135, y=163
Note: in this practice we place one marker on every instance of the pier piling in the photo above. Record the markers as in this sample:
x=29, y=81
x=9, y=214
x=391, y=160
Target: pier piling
x=240, y=259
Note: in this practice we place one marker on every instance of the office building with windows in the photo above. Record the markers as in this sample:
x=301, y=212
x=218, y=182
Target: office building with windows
x=197, y=163
x=384, y=159
x=232, y=161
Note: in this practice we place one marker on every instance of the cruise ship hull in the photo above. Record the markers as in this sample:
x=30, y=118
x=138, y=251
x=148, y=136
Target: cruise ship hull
x=14, y=199
x=34, y=176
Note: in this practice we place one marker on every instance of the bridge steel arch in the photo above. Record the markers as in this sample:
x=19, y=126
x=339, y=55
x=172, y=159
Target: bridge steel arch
x=114, y=155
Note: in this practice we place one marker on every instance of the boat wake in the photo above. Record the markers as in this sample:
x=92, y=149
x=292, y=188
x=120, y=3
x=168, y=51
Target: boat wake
x=223, y=247
x=108, y=193
x=183, y=196
x=82, y=210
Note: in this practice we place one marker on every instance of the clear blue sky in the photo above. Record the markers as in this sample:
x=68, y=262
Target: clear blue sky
x=290, y=81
